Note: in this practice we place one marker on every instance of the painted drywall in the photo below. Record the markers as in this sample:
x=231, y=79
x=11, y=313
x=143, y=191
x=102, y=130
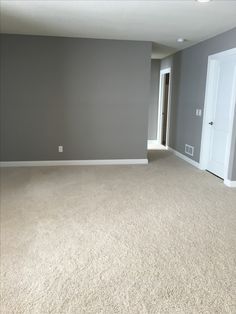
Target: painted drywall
x=154, y=95
x=91, y=96
x=189, y=70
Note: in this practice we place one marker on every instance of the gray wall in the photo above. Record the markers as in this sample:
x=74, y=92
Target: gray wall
x=91, y=96
x=189, y=68
x=154, y=95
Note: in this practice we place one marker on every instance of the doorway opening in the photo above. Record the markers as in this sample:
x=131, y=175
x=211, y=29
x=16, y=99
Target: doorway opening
x=164, y=108
x=219, y=114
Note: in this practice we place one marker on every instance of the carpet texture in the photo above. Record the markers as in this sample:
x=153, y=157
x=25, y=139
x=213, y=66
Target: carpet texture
x=157, y=238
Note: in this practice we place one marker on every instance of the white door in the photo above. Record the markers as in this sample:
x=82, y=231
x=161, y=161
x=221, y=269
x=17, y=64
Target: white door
x=224, y=90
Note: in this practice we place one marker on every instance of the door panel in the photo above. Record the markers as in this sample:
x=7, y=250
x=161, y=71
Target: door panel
x=221, y=115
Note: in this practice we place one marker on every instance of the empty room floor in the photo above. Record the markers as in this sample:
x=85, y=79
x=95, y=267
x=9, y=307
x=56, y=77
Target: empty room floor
x=157, y=238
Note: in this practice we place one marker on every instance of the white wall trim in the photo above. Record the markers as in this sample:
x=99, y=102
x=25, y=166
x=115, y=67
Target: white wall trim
x=185, y=158
x=228, y=183
x=153, y=144
x=231, y=184
x=73, y=162
x=224, y=53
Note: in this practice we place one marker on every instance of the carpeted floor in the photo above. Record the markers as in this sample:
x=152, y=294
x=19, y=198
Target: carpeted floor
x=117, y=239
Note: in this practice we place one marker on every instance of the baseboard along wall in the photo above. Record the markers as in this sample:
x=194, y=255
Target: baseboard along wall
x=73, y=162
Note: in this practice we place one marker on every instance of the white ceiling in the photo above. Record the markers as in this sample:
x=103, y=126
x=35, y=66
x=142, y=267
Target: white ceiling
x=161, y=22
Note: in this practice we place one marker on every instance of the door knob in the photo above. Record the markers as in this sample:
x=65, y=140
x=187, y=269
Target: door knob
x=211, y=123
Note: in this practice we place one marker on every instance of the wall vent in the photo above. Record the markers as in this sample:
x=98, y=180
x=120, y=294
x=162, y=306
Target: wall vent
x=189, y=150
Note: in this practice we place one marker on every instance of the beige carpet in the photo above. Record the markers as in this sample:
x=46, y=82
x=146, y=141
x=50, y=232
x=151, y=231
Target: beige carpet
x=118, y=239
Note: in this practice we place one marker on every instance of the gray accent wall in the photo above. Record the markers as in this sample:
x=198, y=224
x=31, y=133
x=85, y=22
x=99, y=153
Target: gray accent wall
x=189, y=69
x=154, y=95
x=91, y=96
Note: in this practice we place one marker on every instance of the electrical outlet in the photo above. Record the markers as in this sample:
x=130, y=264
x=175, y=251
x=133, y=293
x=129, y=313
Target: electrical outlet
x=60, y=149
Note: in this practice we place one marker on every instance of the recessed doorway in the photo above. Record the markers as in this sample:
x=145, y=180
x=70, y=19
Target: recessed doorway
x=219, y=114
x=164, y=108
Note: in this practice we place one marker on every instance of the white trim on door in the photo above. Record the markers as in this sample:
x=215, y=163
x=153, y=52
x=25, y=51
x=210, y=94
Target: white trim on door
x=154, y=145
x=204, y=153
x=229, y=183
x=160, y=107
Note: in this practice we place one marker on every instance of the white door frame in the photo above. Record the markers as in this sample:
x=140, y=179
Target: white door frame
x=205, y=142
x=160, y=107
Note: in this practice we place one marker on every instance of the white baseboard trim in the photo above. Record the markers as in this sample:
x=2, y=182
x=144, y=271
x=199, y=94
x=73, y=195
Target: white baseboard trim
x=228, y=183
x=155, y=145
x=189, y=160
x=152, y=144
x=73, y=162
x=231, y=184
